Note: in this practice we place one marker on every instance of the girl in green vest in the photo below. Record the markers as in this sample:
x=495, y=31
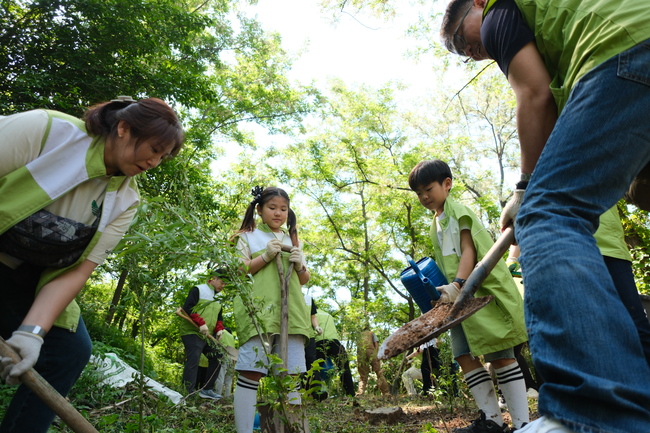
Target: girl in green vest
x=259, y=244
x=65, y=182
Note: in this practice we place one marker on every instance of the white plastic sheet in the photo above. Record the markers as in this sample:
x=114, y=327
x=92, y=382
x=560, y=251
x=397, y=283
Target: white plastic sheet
x=118, y=373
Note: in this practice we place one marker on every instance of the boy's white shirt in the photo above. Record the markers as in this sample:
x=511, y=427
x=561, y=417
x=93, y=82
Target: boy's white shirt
x=450, y=244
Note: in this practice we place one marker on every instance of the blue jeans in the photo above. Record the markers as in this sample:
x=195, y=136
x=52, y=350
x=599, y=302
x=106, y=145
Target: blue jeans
x=621, y=272
x=584, y=343
x=63, y=356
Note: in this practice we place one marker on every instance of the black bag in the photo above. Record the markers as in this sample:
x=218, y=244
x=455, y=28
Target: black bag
x=49, y=240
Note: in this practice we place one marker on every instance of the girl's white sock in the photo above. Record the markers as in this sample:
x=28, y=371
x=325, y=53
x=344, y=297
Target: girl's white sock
x=244, y=401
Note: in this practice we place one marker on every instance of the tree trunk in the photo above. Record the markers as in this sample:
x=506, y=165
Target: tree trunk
x=116, y=296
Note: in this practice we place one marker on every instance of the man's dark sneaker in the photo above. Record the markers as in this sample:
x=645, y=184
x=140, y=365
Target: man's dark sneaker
x=482, y=425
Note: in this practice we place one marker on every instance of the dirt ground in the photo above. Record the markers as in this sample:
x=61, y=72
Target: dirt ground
x=419, y=414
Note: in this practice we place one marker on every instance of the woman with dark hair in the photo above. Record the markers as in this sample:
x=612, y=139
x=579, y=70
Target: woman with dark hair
x=68, y=195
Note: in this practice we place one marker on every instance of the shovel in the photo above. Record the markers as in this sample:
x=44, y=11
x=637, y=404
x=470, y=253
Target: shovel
x=447, y=315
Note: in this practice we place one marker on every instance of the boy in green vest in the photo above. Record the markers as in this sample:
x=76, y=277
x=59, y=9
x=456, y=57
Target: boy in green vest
x=206, y=313
x=459, y=242
x=580, y=70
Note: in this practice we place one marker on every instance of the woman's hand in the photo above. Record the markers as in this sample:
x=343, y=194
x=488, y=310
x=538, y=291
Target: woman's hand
x=28, y=346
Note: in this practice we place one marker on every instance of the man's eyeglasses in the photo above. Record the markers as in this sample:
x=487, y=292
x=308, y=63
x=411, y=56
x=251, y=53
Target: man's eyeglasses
x=459, y=44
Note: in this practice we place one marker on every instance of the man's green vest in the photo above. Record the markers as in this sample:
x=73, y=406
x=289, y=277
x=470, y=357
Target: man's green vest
x=207, y=307
x=575, y=36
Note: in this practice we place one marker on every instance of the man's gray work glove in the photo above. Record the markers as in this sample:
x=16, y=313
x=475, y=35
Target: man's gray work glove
x=273, y=247
x=28, y=346
x=448, y=292
x=509, y=212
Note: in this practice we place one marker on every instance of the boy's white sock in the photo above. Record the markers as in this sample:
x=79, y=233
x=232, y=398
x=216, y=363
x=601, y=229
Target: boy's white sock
x=513, y=386
x=244, y=402
x=482, y=388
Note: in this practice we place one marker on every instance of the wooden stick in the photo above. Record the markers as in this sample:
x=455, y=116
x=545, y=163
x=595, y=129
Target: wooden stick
x=49, y=395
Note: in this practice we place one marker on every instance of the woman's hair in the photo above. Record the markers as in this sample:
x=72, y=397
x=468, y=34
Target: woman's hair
x=149, y=118
x=261, y=197
x=425, y=172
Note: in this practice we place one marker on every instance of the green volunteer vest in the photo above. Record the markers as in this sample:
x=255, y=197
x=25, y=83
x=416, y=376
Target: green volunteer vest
x=228, y=340
x=208, y=309
x=499, y=325
x=326, y=321
x=610, y=237
x=574, y=36
x=22, y=195
x=266, y=293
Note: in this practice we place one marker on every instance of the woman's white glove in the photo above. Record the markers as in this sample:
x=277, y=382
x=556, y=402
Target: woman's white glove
x=273, y=247
x=28, y=346
x=318, y=330
x=448, y=292
x=296, y=257
x=203, y=329
x=509, y=212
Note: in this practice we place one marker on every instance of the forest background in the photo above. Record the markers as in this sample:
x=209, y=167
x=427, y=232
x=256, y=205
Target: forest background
x=343, y=154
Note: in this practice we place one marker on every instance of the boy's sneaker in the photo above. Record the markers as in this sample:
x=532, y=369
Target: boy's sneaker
x=482, y=425
x=208, y=393
x=502, y=402
x=544, y=425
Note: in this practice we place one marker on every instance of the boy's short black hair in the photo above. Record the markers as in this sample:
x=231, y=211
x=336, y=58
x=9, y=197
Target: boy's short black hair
x=218, y=273
x=425, y=172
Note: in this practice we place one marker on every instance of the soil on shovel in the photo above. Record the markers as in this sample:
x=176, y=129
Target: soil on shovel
x=431, y=324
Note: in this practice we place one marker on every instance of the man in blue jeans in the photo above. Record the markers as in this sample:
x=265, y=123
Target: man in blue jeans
x=580, y=70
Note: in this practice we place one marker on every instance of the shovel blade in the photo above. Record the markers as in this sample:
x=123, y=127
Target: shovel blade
x=429, y=325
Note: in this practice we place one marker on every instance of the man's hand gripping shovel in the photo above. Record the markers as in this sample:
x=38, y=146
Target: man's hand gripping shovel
x=446, y=315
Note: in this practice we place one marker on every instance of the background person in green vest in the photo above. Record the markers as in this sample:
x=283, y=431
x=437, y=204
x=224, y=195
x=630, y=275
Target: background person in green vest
x=223, y=385
x=580, y=70
x=328, y=345
x=57, y=166
x=206, y=313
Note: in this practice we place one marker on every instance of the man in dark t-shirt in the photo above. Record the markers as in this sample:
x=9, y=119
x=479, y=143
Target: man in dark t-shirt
x=590, y=61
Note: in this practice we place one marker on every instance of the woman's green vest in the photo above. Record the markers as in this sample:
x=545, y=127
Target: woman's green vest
x=22, y=195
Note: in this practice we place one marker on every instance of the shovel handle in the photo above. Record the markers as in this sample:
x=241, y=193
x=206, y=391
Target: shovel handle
x=483, y=269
